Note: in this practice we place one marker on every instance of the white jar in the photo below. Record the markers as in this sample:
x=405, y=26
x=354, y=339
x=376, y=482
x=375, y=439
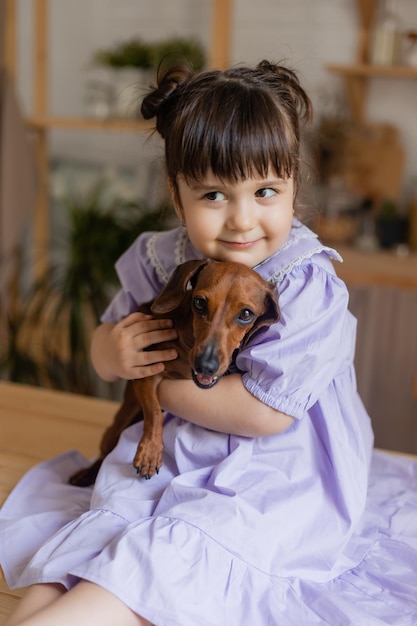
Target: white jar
x=386, y=39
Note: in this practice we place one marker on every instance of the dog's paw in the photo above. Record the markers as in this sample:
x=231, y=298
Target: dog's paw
x=147, y=473
x=148, y=460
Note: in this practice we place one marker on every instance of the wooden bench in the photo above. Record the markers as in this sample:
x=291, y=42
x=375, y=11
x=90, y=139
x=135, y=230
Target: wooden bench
x=36, y=424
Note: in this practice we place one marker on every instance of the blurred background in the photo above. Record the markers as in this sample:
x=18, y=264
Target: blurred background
x=81, y=175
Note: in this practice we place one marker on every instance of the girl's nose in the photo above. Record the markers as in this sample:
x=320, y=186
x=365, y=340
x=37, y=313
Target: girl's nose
x=241, y=216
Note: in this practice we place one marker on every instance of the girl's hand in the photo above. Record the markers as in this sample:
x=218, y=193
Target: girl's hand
x=118, y=350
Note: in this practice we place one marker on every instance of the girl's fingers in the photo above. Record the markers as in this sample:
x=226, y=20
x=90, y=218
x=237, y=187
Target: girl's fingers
x=148, y=370
x=155, y=365
x=156, y=356
x=144, y=331
x=136, y=341
x=153, y=337
x=147, y=321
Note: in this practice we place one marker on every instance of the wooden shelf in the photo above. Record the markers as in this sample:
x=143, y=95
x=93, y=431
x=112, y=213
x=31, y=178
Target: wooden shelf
x=74, y=123
x=382, y=268
x=357, y=76
x=366, y=70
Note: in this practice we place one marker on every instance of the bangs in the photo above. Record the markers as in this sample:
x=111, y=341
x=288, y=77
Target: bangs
x=237, y=134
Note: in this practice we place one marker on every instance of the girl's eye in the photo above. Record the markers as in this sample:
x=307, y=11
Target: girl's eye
x=214, y=196
x=266, y=192
x=246, y=316
x=199, y=305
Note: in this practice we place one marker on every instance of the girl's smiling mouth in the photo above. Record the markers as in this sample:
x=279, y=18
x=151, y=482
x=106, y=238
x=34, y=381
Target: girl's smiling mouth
x=239, y=245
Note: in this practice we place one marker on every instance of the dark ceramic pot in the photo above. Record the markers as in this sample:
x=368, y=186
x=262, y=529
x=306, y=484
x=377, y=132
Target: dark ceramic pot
x=391, y=231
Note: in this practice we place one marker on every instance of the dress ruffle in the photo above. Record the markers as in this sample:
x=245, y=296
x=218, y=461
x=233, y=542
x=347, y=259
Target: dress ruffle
x=173, y=574
x=43, y=503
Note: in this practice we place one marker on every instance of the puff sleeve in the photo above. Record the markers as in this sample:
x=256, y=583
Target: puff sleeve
x=138, y=280
x=289, y=365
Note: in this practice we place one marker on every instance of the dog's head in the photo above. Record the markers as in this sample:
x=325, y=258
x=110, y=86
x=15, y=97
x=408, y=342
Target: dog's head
x=229, y=303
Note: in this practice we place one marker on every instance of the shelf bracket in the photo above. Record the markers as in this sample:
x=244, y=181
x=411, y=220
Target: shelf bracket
x=366, y=10
x=356, y=89
x=220, y=41
x=40, y=107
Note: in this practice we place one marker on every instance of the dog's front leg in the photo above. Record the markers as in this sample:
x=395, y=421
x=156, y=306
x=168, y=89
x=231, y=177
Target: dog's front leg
x=148, y=457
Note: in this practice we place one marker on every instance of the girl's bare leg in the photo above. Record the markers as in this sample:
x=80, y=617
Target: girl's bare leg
x=36, y=598
x=84, y=605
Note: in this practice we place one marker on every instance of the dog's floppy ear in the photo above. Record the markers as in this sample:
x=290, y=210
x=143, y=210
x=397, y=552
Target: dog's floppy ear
x=270, y=315
x=174, y=291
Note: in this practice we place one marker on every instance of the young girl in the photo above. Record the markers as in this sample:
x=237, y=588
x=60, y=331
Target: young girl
x=260, y=513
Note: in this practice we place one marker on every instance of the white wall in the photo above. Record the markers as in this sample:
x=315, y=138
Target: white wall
x=308, y=34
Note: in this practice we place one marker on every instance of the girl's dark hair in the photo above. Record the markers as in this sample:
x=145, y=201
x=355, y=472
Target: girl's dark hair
x=237, y=123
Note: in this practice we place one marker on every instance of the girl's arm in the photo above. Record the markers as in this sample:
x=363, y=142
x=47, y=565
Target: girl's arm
x=227, y=407
x=117, y=350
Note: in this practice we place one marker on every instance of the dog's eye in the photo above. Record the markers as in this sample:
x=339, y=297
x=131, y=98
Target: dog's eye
x=246, y=316
x=199, y=305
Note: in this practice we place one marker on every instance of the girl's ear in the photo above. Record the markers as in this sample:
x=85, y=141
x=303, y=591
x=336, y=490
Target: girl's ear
x=176, y=201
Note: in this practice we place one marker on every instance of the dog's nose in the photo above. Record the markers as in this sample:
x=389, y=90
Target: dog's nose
x=207, y=362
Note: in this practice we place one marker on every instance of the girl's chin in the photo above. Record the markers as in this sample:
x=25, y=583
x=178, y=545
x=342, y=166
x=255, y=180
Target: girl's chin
x=247, y=255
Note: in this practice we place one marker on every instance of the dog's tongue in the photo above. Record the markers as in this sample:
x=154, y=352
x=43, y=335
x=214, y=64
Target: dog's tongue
x=204, y=380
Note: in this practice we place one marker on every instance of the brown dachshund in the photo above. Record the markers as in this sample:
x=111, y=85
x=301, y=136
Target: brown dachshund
x=216, y=307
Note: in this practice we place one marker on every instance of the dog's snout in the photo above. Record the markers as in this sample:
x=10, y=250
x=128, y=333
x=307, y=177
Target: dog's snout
x=207, y=362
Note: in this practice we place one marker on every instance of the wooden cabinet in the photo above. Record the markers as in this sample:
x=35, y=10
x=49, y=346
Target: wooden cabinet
x=40, y=120
x=383, y=298
x=386, y=362
x=357, y=75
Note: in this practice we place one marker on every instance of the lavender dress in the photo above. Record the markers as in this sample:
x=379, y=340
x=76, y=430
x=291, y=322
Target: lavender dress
x=305, y=527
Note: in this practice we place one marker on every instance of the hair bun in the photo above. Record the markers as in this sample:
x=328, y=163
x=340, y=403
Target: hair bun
x=291, y=85
x=160, y=100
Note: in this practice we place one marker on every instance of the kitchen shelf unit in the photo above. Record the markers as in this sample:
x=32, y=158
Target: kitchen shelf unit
x=389, y=389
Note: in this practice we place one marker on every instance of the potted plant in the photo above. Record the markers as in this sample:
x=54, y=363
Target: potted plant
x=134, y=63
x=132, y=53
x=49, y=330
x=114, y=76
x=391, y=227
x=178, y=50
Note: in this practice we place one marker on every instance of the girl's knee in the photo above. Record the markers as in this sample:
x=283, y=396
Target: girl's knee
x=36, y=598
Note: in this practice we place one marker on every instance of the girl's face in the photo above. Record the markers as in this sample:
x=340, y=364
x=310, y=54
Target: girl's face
x=245, y=221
